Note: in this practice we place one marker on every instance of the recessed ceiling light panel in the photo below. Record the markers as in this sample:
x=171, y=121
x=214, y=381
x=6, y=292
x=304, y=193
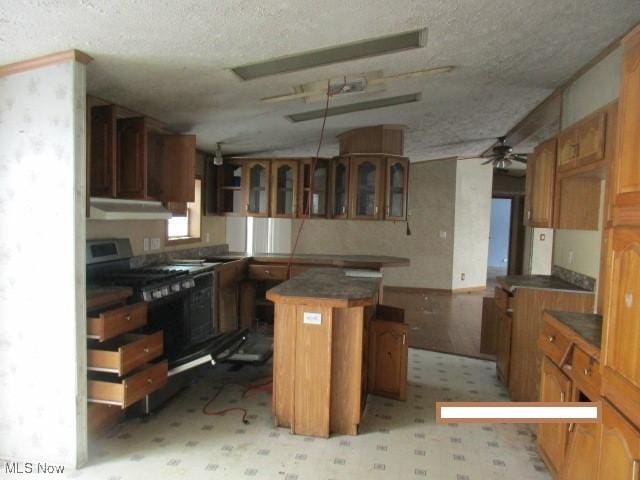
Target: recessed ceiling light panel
x=355, y=107
x=351, y=51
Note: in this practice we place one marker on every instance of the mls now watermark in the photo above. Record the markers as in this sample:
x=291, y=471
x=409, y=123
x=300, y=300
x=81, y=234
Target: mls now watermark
x=31, y=467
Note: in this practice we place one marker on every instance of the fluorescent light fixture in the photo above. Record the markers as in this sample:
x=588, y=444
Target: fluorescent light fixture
x=325, y=56
x=355, y=107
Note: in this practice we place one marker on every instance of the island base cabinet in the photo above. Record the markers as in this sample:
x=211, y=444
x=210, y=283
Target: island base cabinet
x=388, y=353
x=620, y=447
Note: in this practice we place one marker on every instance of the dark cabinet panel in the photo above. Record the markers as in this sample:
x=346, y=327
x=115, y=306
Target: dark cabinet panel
x=102, y=151
x=131, y=166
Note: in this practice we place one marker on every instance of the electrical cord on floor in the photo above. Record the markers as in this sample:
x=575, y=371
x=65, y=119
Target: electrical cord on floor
x=247, y=388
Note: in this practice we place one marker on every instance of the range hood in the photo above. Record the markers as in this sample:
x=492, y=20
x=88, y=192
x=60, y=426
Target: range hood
x=117, y=209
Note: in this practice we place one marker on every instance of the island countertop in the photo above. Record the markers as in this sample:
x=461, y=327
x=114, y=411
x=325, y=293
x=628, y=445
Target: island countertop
x=539, y=282
x=345, y=261
x=327, y=286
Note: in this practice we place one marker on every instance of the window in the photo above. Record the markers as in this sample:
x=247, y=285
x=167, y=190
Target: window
x=184, y=225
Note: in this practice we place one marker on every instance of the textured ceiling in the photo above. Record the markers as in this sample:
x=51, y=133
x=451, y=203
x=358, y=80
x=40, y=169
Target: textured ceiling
x=171, y=60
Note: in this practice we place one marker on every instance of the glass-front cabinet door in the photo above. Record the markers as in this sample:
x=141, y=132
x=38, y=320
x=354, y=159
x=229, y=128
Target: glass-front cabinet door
x=230, y=182
x=340, y=187
x=314, y=200
x=284, y=181
x=365, y=187
x=396, y=188
x=257, y=188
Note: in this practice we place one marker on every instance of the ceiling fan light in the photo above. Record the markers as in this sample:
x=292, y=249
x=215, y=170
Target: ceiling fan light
x=503, y=163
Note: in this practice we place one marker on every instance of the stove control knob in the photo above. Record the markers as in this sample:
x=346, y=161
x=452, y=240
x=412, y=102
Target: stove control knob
x=175, y=287
x=157, y=294
x=146, y=296
x=186, y=284
x=165, y=291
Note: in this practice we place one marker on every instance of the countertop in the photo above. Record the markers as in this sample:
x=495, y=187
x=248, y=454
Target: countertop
x=328, y=287
x=539, y=282
x=588, y=326
x=350, y=261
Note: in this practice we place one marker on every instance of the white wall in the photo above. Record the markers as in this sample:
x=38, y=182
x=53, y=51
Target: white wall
x=472, y=221
x=597, y=87
x=541, y=250
x=42, y=265
x=267, y=235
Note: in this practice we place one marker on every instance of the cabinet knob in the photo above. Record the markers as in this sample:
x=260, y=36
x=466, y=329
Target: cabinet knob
x=587, y=371
x=551, y=338
x=128, y=317
x=375, y=210
x=571, y=426
x=146, y=350
x=529, y=214
x=628, y=299
x=149, y=381
x=562, y=396
x=267, y=272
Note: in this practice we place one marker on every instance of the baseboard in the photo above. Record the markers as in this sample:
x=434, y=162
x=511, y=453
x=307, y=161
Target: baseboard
x=398, y=289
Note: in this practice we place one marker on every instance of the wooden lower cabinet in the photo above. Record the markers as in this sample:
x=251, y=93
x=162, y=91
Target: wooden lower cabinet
x=555, y=386
x=388, y=352
x=583, y=452
x=620, y=446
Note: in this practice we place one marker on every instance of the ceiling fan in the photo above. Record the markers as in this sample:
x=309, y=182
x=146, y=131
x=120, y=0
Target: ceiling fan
x=370, y=81
x=502, y=155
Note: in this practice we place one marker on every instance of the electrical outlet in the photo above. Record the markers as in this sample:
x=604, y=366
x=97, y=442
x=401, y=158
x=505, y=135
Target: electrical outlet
x=145, y=245
x=462, y=276
x=207, y=237
x=542, y=237
x=570, y=259
x=155, y=243
x=443, y=234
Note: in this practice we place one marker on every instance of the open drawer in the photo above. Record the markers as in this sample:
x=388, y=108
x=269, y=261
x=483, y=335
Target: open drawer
x=125, y=353
x=111, y=323
x=109, y=389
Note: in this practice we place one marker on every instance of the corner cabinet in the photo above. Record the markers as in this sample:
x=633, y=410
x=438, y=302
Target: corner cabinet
x=284, y=191
x=396, y=188
x=230, y=183
x=365, y=201
x=541, y=169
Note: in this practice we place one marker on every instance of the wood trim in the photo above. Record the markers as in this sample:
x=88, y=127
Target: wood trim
x=45, y=60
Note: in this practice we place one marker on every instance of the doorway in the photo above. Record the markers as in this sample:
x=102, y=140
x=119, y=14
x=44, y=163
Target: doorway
x=499, y=238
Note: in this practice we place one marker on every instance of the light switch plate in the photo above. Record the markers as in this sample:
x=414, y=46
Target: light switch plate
x=155, y=243
x=145, y=245
x=312, y=318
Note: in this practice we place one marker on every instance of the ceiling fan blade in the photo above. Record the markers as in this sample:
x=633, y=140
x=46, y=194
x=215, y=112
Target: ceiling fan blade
x=417, y=73
x=521, y=160
x=488, y=162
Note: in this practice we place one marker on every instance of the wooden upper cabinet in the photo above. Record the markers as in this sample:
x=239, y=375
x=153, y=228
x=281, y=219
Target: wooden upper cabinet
x=625, y=194
x=178, y=170
x=284, y=188
x=256, y=193
x=102, y=151
x=230, y=184
x=619, y=446
x=365, y=187
x=131, y=165
x=340, y=187
x=621, y=375
x=314, y=201
x=567, y=149
x=388, y=350
x=591, y=133
x=541, y=169
x=555, y=386
x=396, y=188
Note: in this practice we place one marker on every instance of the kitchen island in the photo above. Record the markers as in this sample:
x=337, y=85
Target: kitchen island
x=319, y=367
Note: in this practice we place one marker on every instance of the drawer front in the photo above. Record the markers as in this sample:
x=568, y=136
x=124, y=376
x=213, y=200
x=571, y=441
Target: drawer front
x=112, y=323
x=231, y=272
x=503, y=299
x=125, y=354
x=126, y=392
x=268, y=272
x=586, y=372
x=553, y=343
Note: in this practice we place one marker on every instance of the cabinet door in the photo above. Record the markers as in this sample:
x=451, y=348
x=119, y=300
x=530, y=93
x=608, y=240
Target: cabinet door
x=257, y=188
x=284, y=181
x=619, y=447
x=626, y=181
x=230, y=184
x=622, y=328
x=340, y=187
x=567, y=149
x=591, y=134
x=131, y=166
x=365, y=188
x=314, y=200
x=555, y=386
x=388, y=352
x=583, y=452
x=397, y=184
x=503, y=347
x=177, y=168
x=210, y=188
x=543, y=167
x=102, y=151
